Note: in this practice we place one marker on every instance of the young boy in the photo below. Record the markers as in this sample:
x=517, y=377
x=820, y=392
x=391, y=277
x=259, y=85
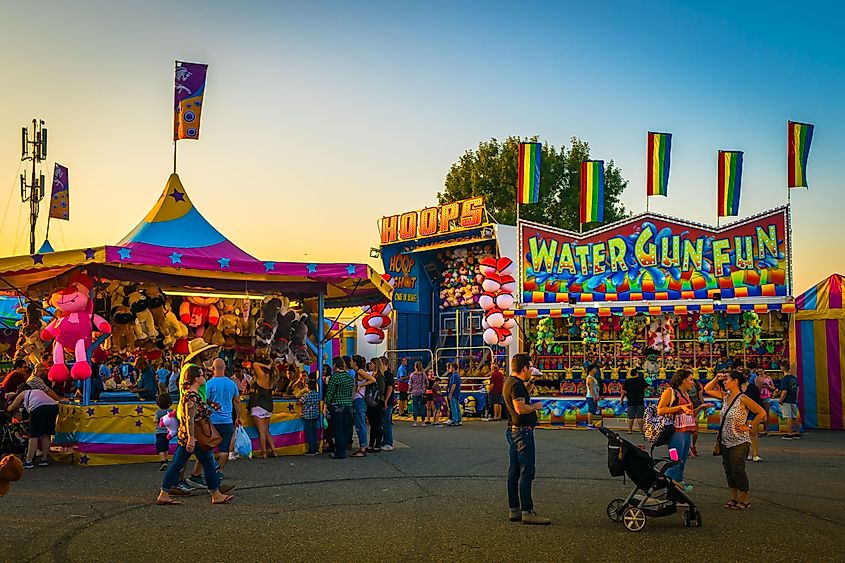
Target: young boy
x=311, y=416
x=164, y=403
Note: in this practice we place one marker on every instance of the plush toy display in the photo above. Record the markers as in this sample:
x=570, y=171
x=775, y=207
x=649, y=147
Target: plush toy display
x=630, y=328
x=173, y=329
x=705, y=329
x=590, y=329
x=660, y=334
x=123, y=335
x=72, y=329
x=460, y=277
x=197, y=311
x=298, y=335
x=377, y=318
x=498, y=285
x=29, y=344
x=545, y=336
x=155, y=304
x=751, y=330
x=146, y=322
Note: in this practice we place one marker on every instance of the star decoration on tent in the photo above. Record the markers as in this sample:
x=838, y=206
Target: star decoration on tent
x=137, y=423
x=89, y=253
x=177, y=195
x=125, y=253
x=90, y=412
x=115, y=411
x=224, y=263
x=350, y=269
x=268, y=266
x=139, y=409
x=175, y=258
x=84, y=459
x=38, y=259
x=312, y=268
x=291, y=407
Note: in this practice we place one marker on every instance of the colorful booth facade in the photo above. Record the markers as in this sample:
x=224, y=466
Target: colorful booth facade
x=819, y=352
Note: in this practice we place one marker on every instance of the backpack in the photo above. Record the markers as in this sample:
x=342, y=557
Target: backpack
x=372, y=396
x=657, y=429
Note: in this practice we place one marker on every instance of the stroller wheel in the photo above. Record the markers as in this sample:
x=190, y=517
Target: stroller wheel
x=633, y=518
x=615, y=508
x=687, y=518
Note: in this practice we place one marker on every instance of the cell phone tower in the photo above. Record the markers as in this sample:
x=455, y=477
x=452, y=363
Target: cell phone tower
x=34, y=150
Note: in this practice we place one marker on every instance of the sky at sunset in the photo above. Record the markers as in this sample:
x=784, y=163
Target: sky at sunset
x=321, y=117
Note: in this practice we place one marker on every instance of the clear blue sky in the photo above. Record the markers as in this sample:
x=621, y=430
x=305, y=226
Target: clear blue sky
x=320, y=117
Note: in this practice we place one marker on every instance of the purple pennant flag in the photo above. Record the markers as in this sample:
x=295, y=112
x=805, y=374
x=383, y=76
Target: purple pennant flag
x=187, y=99
x=59, y=198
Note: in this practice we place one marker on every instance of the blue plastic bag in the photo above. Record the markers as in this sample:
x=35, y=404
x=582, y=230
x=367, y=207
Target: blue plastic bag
x=243, y=445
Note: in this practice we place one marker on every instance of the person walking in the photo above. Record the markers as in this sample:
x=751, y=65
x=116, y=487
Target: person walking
x=374, y=397
x=453, y=392
x=402, y=376
x=592, y=393
x=417, y=386
x=494, y=392
x=387, y=411
x=192, y=410
x=363, y=379
x=339, y=390
x=522, y=418
x=734, y=437
x=224, y=394
x=675, y=402
x=633, y=389
x=788, y=401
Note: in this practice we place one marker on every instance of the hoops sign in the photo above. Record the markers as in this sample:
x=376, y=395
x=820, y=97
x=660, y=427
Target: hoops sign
x=433, y=221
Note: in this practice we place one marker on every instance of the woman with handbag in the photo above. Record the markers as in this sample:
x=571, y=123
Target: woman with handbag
x=734, y=437
x=196, y=435
x=676, y=404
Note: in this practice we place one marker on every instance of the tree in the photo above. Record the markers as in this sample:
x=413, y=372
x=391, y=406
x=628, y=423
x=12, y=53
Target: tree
x=491, y=171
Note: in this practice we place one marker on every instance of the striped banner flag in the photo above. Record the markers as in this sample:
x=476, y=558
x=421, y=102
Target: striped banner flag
x=659, y=149
x=528, y=185
x=188, y=93
x=799, y=137
x=592, y=191
x=730, y=181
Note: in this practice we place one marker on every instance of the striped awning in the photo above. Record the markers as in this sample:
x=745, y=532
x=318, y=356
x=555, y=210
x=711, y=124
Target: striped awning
x=629, y=311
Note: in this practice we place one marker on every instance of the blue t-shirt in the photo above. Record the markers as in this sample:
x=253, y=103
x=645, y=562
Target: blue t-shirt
x=455, y=383
x=163, y=374
x=402, y=373
x=221, y=390
x=790, y=385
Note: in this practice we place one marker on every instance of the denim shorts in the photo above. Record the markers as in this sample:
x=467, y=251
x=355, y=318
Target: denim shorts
x=226, y=432
x=162, y=443
x=592, y=407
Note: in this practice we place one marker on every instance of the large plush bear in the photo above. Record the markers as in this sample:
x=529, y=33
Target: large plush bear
x=298, y=334
x=123, y=335
x=173, y=329
x=146, y=322
x=155, y=303
x=196, y=311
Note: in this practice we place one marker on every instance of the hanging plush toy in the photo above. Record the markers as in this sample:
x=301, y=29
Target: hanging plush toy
x=377, y=317
x=171, y=423
x=590, y=329
x=660, y=334
x=196, y=311
x=751, y=330
x=72, y=329
x=705, y=329
x=498, y=286
x=630, y=326
x=545, y=335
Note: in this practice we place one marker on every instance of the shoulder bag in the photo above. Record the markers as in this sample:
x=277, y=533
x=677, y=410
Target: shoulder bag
x=717, y=448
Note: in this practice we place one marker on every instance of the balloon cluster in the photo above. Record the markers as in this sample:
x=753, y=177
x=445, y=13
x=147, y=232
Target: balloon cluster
x=751, y=330
x=705, y=329
x=499, y=286
x=630, y=326
x=377, y=318
x=590, y=329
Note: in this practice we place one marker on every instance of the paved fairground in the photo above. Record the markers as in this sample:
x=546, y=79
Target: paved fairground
x=439, y=496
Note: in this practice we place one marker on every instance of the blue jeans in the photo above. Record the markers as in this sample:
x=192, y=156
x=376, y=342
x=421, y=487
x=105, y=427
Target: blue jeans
x=455, y=407
x=681, y=441
x=521, y=470
x=360, y=408
x=387, y=426
x=341, y=421
x=181, y=457
x=311, y=434
x=419, y=407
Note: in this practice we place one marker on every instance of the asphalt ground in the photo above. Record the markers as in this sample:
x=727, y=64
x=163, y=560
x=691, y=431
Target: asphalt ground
x=439, y=496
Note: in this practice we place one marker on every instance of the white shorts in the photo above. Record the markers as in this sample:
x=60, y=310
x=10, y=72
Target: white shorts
x=789, y=410
x=259, y=412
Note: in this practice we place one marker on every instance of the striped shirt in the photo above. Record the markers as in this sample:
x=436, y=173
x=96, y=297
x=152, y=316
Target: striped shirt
x=339, y=389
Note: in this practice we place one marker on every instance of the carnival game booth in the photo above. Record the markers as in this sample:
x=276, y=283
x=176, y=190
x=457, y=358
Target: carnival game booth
x=819, y=352
x=655, y=293
x=172, y=279
x=433, y=258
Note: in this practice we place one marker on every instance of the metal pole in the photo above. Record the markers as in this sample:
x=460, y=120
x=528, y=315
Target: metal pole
x=320, y=336
x=33, y=206
x=174, y=155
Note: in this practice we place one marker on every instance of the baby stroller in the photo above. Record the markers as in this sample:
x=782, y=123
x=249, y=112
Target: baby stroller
x=654, y=494
x=13, y=435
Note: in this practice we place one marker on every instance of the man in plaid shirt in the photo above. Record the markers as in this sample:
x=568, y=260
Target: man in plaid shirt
x=338, y=399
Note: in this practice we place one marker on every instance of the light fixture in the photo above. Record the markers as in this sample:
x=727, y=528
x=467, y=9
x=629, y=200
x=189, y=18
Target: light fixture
x=572, y=300
x=375, y=252
x=487, y=232
x=717, y=297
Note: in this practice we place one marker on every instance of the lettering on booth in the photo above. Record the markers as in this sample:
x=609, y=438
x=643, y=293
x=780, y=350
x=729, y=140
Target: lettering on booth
x=433, y=221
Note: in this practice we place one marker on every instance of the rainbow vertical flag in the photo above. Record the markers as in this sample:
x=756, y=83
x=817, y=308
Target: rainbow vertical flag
x=659, y=149
x=528, y=185
x=592, y=191
x=60, y=194
x=798, y=139
x=188, y=92
x=730, y=181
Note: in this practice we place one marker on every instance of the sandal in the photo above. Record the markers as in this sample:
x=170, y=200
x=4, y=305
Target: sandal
x=226, y=499
x=741, y=506
x=730, y=504
x=168, y=502
x=360, y=453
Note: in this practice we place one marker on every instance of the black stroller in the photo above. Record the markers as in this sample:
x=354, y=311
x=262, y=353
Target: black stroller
x=654, y=494
x=13, y=435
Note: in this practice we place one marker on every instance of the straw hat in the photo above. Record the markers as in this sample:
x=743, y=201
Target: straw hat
x=11, y=469
x=197, y=346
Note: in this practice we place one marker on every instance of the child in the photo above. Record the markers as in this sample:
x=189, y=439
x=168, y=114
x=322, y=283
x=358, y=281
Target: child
x=311, y=416
x=164, y=403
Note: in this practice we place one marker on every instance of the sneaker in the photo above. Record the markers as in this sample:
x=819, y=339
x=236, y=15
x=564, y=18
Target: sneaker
x=220, y=475
x=28, y=465
x=748, y=457
x=693, y=452
x=787, y=437
x=43, y=462
x=182, y=488
x=424, y=424
x=757, y=459
x=414, y=425
x=796, y=436
x=198, y=481
x=687, y=488
x=533, y=518
x=387, y=448
x=184, y=485
x=312, y=453
x=233, y=456
x=163, y=466
x=516, y=515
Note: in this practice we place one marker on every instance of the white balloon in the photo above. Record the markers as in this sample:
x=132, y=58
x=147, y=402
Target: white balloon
x=376, y=321
x=486, y=301
x=510, y=323
x=388, y=308
x=506, y=341
x=490, y=337
x=509, y=287
x=484, y=324
x=504, y=301
x=495, y=319
x=507, y=271
x=490, y=285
